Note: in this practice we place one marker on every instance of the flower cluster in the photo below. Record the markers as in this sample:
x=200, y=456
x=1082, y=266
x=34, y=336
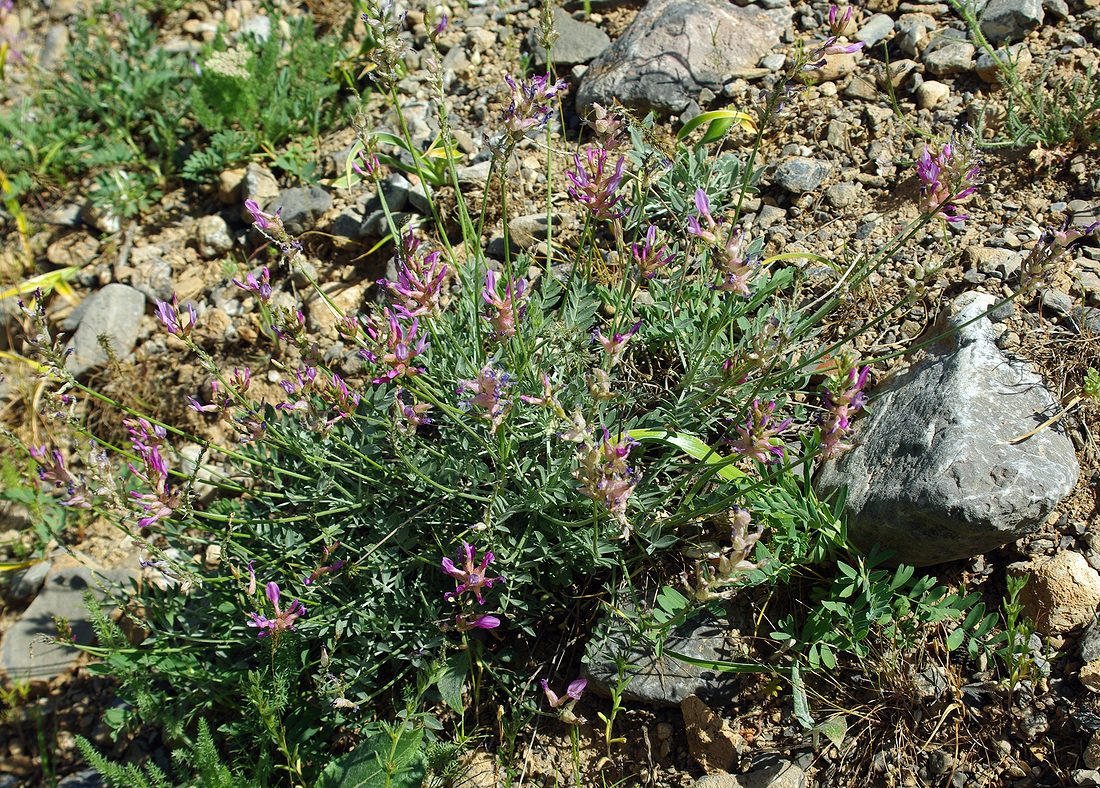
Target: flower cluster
x=614, y=345
x=1041, y=263
x=720, y=565
x=330, y=388
x=219, y=401
x=650, y=256
x=530, y=107
x=52, y=471
x=271, y=226
x=335, y=566
x=946, y=179
x=411, y=415
x=168, y=313
x=420, y=278
x=729, y=251
x=508, y=308
x=283, y=620
x=595, y=184
x=388, y=51
x=835, y=43
x=471, y=578
x=401, y=345
x=488, y=395
x=161, y=500
x=605, y=476
x=843, y=399
x=757, y=436
x=259, y=285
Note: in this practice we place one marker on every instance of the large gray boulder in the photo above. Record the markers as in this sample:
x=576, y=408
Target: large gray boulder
x=933, y=476
x=113, y=312
x=578, y=42
x=29, y=650
x=675, y=48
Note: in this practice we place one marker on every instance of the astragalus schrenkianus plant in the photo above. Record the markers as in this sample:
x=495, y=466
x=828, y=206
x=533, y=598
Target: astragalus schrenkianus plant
x=496, y=452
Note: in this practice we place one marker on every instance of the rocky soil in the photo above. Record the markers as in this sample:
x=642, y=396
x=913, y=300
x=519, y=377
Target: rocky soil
x=839, y=180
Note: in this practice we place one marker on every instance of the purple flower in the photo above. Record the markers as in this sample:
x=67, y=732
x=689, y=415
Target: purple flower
x=169, y=314
x=734, y=265
x=470, y=576
x=411, y=415
x=261, y=285
x=947, y=179
x=509, y=307
x=403, y=344
x=530, y=107
x=335, y=566
x=842, y=402
x=420, y=277
x=488, y=395
x=614, y=345
x=283, y=620
x=595, y=185
x=572, y=693
x=261, y=219
x=464, y=622
x=708, y=228
x=52, y=471
x=648, y=256
x=757, y=435
x=605, y=476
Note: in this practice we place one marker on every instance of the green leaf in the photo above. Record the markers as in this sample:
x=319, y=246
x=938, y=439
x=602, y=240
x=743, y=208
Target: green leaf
x=956, y=638
x=379, y=762
x=453, y=679
x=720, y=121
x=691, y=446
x=801, y=704
x=834, y=729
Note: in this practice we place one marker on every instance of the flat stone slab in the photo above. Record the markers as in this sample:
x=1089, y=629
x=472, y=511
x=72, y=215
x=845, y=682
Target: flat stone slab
x=29, y=650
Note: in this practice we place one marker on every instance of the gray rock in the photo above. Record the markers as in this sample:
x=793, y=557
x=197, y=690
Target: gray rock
x=799, y=175
x=665, y=681
x=841, y=195
x=875, y=29
x=771, y=771
x=1002, y=263
x=1010, y=20
x=301, y=207
x=1087, y=318
x=1057, y=302
x=114, y=311
x=25, y=651
x=914, y=31
x=54, y=47
x=1017, y=55
x=99, y=218
x=85, y=778
x=1085, y=777
x=213, y=237
x=148, y=273
x=933, y=476
x=28, y=582
x=578, y=42
x=773, y=62
x=955, y=57
x=257, y=184
x=675, y=48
